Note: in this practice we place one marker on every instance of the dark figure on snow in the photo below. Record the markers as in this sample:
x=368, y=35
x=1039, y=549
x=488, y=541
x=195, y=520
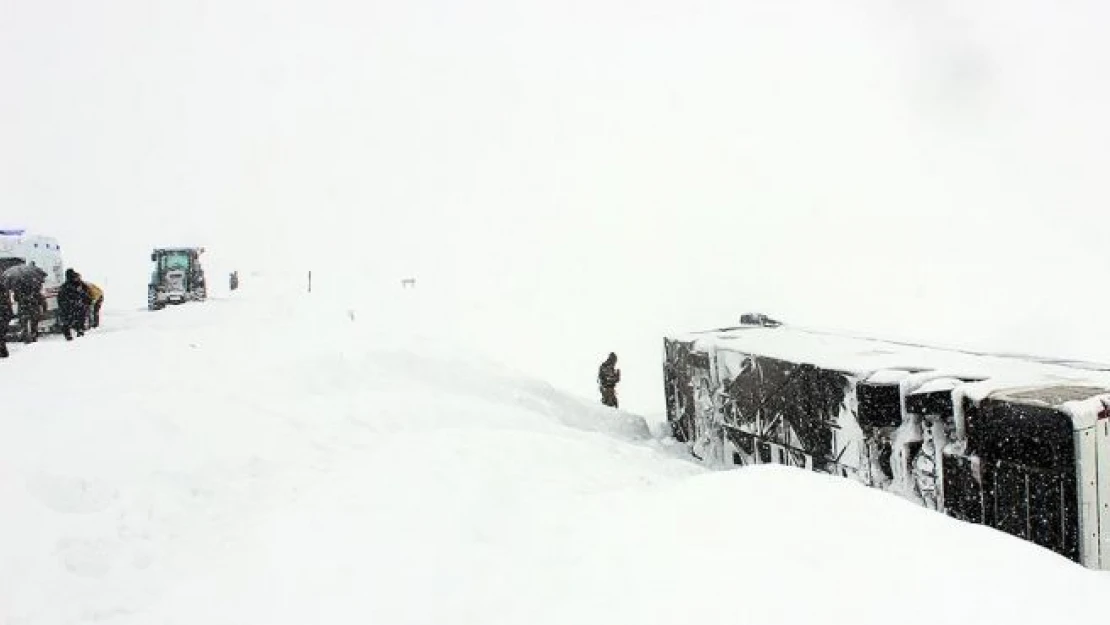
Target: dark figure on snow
x=97, y=297
x=73, y=305
x=25, y=283
x=607, y=377
x=30, y=307
x=5, y=319
x=233, y=281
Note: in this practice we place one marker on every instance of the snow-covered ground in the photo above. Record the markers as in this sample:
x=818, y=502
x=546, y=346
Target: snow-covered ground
x=271, y=458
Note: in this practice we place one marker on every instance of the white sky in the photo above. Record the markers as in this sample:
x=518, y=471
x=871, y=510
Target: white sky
x=933, y=169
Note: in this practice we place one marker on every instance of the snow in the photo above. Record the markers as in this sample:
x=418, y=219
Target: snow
x=889, y=376
x=884, y=167
x=936, y=385
x=276, y=458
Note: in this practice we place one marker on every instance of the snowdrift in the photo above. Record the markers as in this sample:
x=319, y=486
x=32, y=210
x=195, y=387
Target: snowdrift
x=772, y=544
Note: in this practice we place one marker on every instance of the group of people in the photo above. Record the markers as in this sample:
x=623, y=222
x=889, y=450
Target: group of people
x=79, y=305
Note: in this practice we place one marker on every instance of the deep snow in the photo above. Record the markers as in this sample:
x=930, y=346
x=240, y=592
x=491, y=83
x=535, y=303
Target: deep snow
x=271, y=458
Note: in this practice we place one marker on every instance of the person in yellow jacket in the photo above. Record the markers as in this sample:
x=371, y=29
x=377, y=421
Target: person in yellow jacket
x=97, y=297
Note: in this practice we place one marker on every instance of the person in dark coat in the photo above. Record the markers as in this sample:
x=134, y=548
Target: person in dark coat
x=73, y=305
x=5, y=319
x=25, y=283
x=607, y=377
x=31, y=306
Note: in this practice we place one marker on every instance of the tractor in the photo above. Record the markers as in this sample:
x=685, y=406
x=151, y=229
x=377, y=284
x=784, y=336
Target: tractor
x=177, y=277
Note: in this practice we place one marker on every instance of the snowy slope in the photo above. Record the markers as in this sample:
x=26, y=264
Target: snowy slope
x=270, y=459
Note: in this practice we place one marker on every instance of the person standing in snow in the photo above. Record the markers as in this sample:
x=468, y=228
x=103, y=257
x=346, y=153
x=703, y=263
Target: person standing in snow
x=5, y=319
x=96, y=295
x=25, y=283
x=608, y=375
x=73, y=305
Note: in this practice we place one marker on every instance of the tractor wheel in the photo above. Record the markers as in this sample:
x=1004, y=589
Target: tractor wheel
x=152, y=302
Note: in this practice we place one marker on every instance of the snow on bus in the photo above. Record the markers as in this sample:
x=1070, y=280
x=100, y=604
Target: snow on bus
x=1019, y=444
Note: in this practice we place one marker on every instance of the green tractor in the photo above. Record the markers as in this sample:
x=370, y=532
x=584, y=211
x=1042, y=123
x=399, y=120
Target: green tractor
x=177, y=277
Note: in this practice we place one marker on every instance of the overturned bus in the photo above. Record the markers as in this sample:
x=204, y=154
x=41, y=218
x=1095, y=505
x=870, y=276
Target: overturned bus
x=1019, y=444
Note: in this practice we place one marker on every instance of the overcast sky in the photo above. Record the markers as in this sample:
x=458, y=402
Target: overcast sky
x=902, y=166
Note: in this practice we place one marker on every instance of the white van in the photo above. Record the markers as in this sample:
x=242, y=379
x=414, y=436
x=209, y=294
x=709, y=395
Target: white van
x=18, y=247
